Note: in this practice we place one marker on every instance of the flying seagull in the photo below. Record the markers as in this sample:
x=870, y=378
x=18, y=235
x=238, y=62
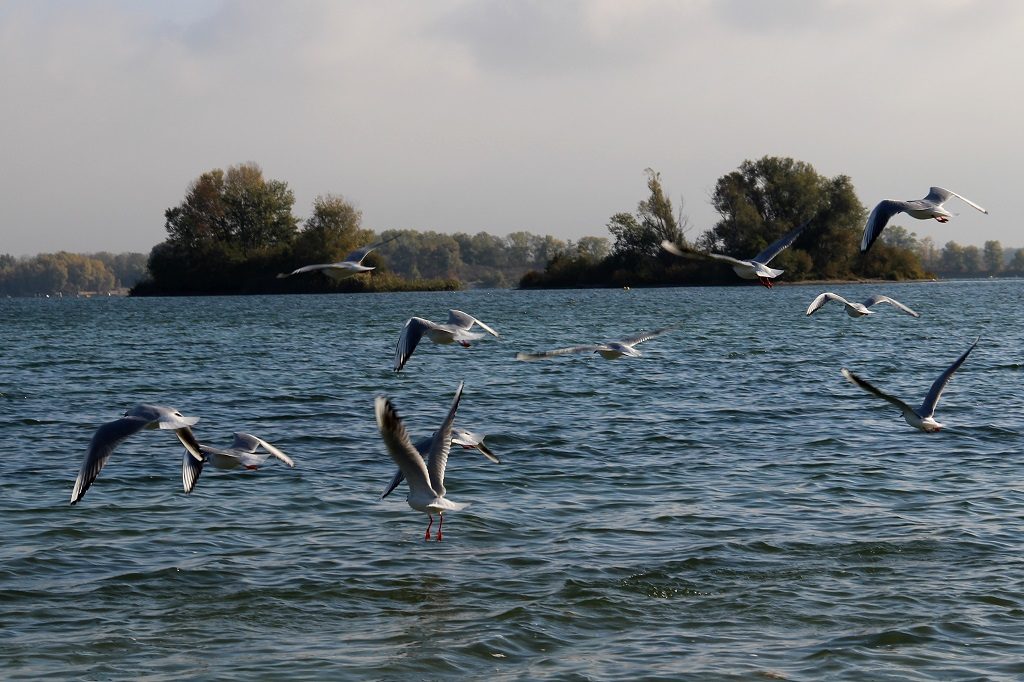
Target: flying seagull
x=922, y=417
x=352, y=265
x=246, y=451
x=922, y=209
x=857, y=309
x=755, y=268
x=466, y=439
x=110, y=435
x=457, y=329
x=426, y=479
x=611, y=350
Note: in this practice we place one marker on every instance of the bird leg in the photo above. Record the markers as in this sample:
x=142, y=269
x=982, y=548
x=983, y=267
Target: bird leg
x=427, y=536
x=440, y=520
x=251, y=467
x=767, y=282
x=464, y=344
x=942, y=218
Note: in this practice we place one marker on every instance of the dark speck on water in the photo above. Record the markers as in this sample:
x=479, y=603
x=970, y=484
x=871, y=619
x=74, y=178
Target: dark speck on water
x=726, y=506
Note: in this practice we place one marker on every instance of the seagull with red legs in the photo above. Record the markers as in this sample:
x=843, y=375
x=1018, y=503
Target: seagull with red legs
x=425, y=478
x=246, y=451
x=455, y=330
x=755, y=268
x=922, y=209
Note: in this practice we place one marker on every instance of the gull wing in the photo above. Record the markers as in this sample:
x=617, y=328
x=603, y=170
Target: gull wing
x=465, y=321
x=359, y=254
x=191, y=468
x=411, y=334
x=188, y=439
x=821, y=299
x=401, y=449
x=250, y=443
x=101, y=447
x=556, y=352
x=878, y=219
x=935, y=392
x=437, y=458
x=728, y=259
x=677, y=250
x=305, y=268
x=777, y=246
x=646, y=336
x=422, y=446
x=879, y=298
x=468, y=439
x=936, y=192
x=857, y=381
x=938, y=195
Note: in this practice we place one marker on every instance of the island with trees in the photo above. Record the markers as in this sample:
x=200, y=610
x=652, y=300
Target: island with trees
x=235, y=231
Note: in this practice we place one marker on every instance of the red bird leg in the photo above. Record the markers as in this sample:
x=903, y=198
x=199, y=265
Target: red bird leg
x=440, y=520
x=251, y=467
x=464, y=344
x=427, y=536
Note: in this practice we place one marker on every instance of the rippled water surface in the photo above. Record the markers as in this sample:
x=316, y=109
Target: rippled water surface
x=724, y=507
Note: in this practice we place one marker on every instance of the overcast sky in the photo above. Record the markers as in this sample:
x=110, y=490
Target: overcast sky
x=498, y=115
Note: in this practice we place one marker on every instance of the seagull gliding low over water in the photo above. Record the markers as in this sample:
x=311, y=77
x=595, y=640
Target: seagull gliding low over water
x=456, y=330
x=858, y=309
x=922, y=417
x=110, y=435
x=609, y=351
x=755, y=268
x=244, y=452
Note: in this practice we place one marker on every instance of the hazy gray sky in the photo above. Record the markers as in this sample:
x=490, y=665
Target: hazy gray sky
x=460, y=115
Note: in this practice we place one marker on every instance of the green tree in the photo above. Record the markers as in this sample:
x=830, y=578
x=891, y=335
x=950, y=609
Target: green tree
x=641, y=234
x=238, y=210
x=900, y=237
x=331, y=232
x=1017, y=262
x=764, y=199
x=993, y=257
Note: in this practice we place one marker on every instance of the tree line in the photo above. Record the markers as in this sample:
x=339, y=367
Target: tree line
x=757, y=203
x=235, y=230
x=70, y=273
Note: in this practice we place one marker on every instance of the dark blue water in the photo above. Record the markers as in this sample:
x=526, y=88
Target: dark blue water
x=724, y=507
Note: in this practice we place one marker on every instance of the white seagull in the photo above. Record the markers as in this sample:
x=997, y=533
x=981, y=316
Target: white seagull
x=922, y=209
x=466, y=439
x=611, y=350
x=857, y=309
x=246, y=451
x=352, y=265
x=426, y=479
x=456, y=330
x=755, y=268
x=110, y=435
x=922, y=417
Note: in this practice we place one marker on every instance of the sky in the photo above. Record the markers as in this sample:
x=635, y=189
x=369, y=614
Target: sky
x=498, y=115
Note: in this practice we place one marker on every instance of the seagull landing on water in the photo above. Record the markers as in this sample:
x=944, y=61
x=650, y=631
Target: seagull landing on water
x=461, y=437
x=352, y=265
x=858, y=309
x=456, y=330
x=922, y=417
x=922, y=209
x=110, y=435
x=246, y=451
x=755, y=268
x=426, y=479
x=609, y=351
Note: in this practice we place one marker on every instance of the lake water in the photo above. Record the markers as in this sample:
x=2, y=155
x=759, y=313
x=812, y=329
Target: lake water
x=724, y=507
